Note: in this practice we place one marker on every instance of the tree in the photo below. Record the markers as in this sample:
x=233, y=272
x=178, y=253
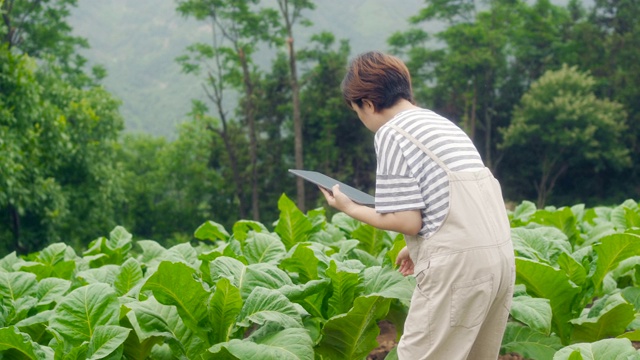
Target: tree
x=291, y=13
x=173, y=187
x=238, y=26
x=58, y=171
x=39, y=28
x=606, y=41
x=337, y=142
x=560, y=124
x=482, y=62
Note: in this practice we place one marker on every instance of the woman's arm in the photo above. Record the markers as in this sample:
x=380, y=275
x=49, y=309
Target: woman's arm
x=407, y=222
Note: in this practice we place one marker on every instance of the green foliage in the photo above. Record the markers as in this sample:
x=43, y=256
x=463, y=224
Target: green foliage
x=144, y=299
x=245, y=293
x=572, y=287
x=569, y=126
x=58, y=173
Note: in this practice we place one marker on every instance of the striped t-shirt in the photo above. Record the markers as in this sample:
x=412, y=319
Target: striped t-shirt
x=407, y=178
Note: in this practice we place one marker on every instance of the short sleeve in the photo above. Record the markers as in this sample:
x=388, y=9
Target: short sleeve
x=396, y=188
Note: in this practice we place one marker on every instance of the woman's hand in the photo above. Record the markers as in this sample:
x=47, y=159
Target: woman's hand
x=338, y=199
x=404, y=261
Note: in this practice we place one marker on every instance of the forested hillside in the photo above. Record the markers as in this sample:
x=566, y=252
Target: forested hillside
x=138, y=42
x=547, y=91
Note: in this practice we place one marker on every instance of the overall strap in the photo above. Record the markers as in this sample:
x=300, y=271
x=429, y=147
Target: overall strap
x=421, y=147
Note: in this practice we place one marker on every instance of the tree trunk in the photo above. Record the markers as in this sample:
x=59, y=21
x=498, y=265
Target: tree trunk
x=297, y=122
x=253, y=142
x=548, y=181
x=474, y=104
x=234, y=168
x=216, y=98
x=14, y=215
x=487, y=140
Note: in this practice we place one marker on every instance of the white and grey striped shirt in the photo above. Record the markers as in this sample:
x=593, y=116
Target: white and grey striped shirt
x=407, y=178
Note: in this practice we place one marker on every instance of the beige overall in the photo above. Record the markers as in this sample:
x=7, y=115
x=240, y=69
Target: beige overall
x=464, y=274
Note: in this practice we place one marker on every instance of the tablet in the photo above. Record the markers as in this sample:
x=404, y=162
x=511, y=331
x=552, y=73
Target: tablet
x=327, y=182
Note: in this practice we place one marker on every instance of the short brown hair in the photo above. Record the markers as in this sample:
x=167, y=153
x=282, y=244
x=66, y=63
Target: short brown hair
x=380, y=78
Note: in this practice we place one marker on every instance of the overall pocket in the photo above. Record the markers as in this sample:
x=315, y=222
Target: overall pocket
x=470, y=301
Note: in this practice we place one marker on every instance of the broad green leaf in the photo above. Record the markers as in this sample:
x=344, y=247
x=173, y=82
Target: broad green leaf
x=120, y=239
x=386, y=282
x=52, y=254
x=246, y=278
x=632, y=295
x=353, y=335
x=632, y=217
x=392, y=355
x=14, y=340
x=303, y=261
x=224, y=307
x=76, y=353
x=293, y=226
x=184, y=253
x=599, y=231
x=626, y=269
x=631, y=335
x=50, y=262
x=39, y=318
x=211, y=230
x=344, y=284
x=610, y=322
x=544, y=281
x=611, y=251
x=345, y=222
x=78, y=314
x=129, y=276
x=562, y=219
x=328, y=236
x=545, y=243
x=523, y=212
x=105, y=274
x=365, y=258
x=106, y=340
x=135, y=349
x=288, y=344
x=372, y=240
x=175, y=284
x=266, y=305
x=529, y=343
x=162, y=352
x=318, y=218
x=533, y=312
x=151, y=319
x=152, y=252
x=263, y=248
x=52, y=290
x=21, y=307
x=391, y=255
x=609, y=349
x=243, y=227
x=8, y=262
x=14, y=285
x=618, y=218
x=576, y=272
x=345, y=249
x=299, y=292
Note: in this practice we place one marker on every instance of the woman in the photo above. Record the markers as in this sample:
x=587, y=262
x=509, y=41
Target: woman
x=432, y=186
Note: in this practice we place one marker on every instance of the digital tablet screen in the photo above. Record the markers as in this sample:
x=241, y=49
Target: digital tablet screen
x=327, y=182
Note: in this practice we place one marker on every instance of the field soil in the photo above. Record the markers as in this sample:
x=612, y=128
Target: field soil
x=387, y=341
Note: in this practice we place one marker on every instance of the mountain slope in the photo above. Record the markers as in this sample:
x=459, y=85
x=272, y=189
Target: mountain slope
x=138, y=41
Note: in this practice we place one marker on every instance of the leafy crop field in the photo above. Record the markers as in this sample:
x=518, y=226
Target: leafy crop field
x=312, y=288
